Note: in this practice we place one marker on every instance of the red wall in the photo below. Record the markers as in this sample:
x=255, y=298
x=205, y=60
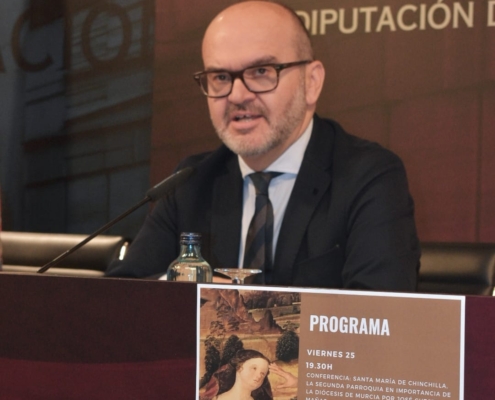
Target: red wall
x=427, y=94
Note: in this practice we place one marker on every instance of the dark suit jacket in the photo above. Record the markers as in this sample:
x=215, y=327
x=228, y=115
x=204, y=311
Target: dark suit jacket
x=349, y=222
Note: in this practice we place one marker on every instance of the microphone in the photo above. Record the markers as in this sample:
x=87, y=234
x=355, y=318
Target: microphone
x=153, y=194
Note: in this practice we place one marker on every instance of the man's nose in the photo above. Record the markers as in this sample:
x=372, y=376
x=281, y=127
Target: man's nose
x=240, y=92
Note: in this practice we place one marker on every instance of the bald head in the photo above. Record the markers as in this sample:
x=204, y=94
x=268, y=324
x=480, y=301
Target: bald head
x=302, y=40
x=267, y=22
x=260, y=125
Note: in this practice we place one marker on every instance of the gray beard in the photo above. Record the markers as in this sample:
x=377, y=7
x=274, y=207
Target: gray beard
x=278, y=133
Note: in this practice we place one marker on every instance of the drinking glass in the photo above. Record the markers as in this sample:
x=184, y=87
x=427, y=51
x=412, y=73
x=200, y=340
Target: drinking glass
x=237, y=274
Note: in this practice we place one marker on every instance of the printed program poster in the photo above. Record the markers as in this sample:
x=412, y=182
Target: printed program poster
x=290, y=343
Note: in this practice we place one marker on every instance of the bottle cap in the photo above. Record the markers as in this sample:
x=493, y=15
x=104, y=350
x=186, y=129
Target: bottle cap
x=190, y=238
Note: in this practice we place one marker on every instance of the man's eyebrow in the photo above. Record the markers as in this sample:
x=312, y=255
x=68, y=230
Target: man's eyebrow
x=256, y=62
x=263, y=60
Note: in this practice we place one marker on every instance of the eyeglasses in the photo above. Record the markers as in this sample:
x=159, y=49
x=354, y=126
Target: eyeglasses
x=257, y=79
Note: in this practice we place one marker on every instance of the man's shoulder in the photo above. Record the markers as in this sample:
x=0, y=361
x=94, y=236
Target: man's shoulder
x=352, y=158
x=349, y=148
x=195, y=159
x=208, y=159
x=348, y=141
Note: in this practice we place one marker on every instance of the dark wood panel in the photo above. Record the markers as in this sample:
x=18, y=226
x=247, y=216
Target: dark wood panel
x=82, y=338
x=55, y=319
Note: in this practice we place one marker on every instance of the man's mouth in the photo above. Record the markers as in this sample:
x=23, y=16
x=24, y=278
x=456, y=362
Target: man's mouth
x=245, y=117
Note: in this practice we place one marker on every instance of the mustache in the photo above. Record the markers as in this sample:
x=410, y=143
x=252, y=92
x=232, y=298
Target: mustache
x=251, y=108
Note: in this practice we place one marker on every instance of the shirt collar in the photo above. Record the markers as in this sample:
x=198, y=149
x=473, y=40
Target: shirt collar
x=290, y=161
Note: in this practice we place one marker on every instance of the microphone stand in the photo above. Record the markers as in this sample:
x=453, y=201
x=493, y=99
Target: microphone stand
x=92, y=236
x=153, y=194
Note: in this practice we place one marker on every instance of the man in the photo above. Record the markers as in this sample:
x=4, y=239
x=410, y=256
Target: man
x=342, y=213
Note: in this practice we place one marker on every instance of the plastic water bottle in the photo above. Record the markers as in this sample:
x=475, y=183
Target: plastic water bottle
x=190, y=266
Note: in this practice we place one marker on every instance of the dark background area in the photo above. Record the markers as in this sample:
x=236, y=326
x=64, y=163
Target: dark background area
x=75, y=141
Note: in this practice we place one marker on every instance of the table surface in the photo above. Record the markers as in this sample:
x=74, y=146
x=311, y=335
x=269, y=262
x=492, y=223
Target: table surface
x=80, y=338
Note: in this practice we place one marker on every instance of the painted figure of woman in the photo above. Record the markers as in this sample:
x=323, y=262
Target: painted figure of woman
x=245, y=377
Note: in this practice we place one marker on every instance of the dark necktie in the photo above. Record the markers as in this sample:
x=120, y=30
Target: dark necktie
x=259, y=240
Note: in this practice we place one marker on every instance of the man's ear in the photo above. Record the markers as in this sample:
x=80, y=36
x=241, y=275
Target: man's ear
x=315, y=76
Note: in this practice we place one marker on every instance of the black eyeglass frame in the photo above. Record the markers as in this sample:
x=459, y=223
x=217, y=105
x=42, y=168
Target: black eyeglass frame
x=240, y=74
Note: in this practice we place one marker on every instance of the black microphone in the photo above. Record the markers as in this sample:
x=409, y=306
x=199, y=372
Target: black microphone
x=152, y=194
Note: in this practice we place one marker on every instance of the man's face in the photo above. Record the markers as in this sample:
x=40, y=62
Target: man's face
x=264, y=124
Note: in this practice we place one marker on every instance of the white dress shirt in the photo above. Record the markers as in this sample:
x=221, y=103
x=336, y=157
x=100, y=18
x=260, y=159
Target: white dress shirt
x=279, y=190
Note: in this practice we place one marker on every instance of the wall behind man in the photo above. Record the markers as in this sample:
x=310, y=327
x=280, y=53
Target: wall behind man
x=416, y=76
x=78, y=102
x=75, y=120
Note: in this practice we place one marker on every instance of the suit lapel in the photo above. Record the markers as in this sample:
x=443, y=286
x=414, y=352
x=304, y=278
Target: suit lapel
x=313, y=181
x=227, y=215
